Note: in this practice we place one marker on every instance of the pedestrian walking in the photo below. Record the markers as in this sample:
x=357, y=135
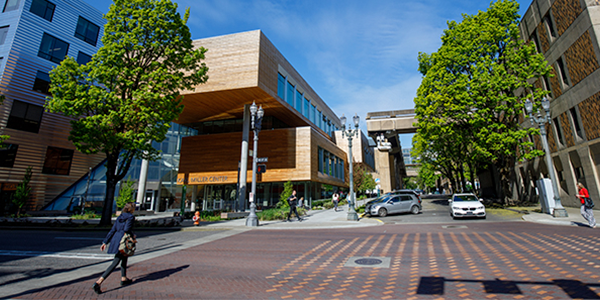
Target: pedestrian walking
x=586, y=205
x=336, y=200
x=123, y=224
x=292, y=201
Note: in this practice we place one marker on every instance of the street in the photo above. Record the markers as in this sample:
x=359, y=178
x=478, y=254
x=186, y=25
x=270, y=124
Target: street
x=447, y=259
x=436, y=210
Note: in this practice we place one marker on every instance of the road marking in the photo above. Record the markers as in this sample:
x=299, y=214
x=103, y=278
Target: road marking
x=77, y=238
x=57, y=254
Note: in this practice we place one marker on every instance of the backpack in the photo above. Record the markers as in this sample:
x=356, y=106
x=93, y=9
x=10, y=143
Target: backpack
x=589, y=203
x=127, y=245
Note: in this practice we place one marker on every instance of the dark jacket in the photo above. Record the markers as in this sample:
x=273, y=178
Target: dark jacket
x=292, y=201
x=124, y=223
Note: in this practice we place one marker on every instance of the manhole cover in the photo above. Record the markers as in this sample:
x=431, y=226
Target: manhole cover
x=454, y=226
x=368, y=261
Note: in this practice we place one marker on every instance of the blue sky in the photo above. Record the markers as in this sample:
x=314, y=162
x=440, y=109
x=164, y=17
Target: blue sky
x=359, y=56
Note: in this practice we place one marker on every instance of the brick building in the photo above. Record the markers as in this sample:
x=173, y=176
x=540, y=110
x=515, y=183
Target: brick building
x=567, y=32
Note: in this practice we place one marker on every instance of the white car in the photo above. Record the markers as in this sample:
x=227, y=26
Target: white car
x=466, y=205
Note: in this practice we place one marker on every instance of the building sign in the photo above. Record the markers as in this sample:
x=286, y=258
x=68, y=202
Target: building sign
x=9, y=186
x=181, y=178
x=204, y=179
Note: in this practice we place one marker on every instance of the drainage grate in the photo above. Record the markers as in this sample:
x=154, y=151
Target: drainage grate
x=454, y=226
x=368, y=262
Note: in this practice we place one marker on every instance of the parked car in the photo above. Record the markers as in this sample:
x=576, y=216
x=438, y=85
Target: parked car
x=394, y=203
x=466, y=205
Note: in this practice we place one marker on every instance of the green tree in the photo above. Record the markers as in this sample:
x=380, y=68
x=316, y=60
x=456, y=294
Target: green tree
x=23, y=191
x=126, y=193
x=288, y=187
x=2, y=137
x=427, y=177
x=128, y=94
x=468, y=107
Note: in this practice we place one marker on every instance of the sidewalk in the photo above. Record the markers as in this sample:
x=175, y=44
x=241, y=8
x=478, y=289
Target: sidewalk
x=574, y=218
x=316, y=219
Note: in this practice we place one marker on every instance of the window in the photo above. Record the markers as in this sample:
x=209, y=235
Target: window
x=298, y=101
x=306, y=111
x=576, y=123
x=289, y=96
x=8, y=153
x=281, y=86
x=562, y=71
x=319, y=119
x=11, y=5
x=42, y=83
x=561, y=137
x=43, y=9
x=550, y=25
x=320, y=159
x=83, y=58
x=534, y=37
x=58, y=161
x=3, y=34
x=25, y=116
x=87, y=31
x=547, y=83
x=53, y=49
x=313, y=114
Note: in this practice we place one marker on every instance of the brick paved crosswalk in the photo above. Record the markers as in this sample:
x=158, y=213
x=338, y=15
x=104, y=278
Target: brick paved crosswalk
x=417, y=262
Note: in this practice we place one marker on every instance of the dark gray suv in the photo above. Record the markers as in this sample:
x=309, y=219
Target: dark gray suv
x=394, y=203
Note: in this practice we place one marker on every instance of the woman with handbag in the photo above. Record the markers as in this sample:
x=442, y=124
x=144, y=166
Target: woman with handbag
x=123, y=224
x=586, y=205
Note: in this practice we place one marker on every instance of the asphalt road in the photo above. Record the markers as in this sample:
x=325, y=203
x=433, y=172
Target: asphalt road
x=435, y=210
x=30, y=254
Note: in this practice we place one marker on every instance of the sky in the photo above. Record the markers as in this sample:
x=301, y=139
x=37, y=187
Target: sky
x=360, y=56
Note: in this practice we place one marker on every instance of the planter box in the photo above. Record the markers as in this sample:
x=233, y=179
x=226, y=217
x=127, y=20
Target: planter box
x=234, y=215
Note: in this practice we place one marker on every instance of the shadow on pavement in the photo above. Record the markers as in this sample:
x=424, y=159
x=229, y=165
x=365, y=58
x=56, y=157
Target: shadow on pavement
x=160, y=274
x=574, y=288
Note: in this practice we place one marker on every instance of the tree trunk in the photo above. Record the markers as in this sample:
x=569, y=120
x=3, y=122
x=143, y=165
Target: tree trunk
x=111, y=183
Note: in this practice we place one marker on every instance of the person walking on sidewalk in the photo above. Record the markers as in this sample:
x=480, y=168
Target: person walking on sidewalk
x=292, y=201
x=586, y=211
x=336, y=200
x=123, y=224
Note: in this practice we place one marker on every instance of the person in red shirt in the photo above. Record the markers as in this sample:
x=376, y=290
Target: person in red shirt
x=586, y=212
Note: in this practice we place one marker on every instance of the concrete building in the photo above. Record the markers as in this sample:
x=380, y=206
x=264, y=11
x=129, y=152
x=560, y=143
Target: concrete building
x=567, y=32
x=36, y=35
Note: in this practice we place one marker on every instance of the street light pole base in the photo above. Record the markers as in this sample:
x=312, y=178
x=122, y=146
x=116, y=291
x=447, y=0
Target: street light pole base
x=352, y=216
x=560, y=213
x=252, y=219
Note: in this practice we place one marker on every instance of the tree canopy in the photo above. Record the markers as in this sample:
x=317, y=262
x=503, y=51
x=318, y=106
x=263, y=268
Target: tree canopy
x=128, y=94
x=472, y=93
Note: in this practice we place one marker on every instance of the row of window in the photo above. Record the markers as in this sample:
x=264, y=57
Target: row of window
x=330, y=164
x=57, y=161
x=558, y=127
x=289, y=93
x=85, y=30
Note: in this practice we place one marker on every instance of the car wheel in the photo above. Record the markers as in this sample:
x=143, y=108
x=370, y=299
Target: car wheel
x=414, y=210
x=382, y=212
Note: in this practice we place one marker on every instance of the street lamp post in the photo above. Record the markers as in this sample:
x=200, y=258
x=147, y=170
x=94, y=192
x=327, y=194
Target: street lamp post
x=351, y=133
x=559, y=210
x=256, y=117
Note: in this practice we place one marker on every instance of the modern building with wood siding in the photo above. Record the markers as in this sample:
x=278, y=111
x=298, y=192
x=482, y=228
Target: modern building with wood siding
x=297, y=134
x=567, y=32
x=35, y=35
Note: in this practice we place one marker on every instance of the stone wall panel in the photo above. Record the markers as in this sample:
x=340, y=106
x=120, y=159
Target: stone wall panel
x=565, y=12
x=581, y=59
x=589, y=110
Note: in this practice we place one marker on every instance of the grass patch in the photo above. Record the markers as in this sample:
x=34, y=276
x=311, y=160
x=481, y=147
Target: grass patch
x=277, y=214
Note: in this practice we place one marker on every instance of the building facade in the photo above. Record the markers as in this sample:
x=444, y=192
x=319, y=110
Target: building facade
x=567, y=33
x=297, y=137
x=35, y=36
